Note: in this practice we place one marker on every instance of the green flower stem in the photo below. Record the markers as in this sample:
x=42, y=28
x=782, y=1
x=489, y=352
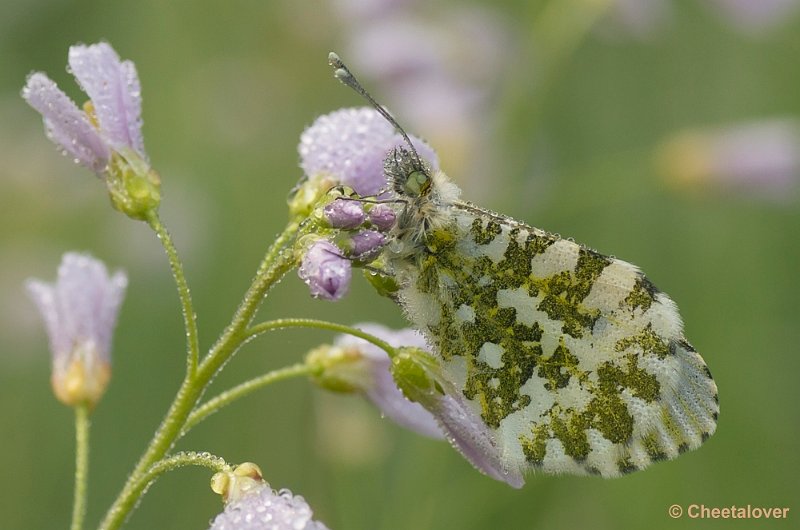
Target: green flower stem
x=284, y=323
x=189, y=317
x=225, y=398
x=82, y=424
x=278, y=260
x=229, y=396
x=178, y=460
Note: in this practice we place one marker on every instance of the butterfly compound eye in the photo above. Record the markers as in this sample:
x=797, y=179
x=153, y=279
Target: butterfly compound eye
x=417, y=184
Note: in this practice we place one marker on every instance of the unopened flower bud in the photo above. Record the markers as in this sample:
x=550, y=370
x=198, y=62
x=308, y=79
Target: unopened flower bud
x=344, y=214
x=262, y=508
x=366, y=244
x=382, y=217
x=342, y=369
x=233, y=485
x=325, y=270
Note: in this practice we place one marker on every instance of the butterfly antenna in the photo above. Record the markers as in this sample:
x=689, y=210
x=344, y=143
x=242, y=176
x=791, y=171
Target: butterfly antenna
x=343, y=74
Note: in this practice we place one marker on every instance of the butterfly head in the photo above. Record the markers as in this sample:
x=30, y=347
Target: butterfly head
x=408, y=175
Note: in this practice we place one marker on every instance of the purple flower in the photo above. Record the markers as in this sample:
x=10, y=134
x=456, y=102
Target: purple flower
x=467, y=433
x=351, y=144
x=263, y=508
x=382, y=216
x=366, y=243
x=80, y=311
x=364, y=10
x=325, y=270
x=431, y=413
x=762, y=158
x=420, y=377
x=756, y=16
x=345, y=214
x=375, y=379
x=112, y=123
x=637, y=19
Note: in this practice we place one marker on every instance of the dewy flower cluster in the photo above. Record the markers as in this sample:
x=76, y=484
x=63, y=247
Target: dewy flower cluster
x=251, y=504
x=347, y=148
x=342, y=218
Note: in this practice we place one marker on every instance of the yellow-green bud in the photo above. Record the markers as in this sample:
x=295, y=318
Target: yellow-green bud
x=305, y=196
x=416, y=373
x=232, y=485
x=134, y=187
x=339, y=369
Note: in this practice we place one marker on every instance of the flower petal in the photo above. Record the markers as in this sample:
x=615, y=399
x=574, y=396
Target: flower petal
x=67, y=126
x=81, y=306
x=113, y=86
x=266, y=509
x=467, y=432
x=391, y=402
x=351, y=144
x=43, y=295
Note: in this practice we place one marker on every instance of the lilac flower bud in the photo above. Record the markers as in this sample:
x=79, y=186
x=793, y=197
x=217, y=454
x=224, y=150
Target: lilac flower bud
x=326, y=272
x=375, y=379
x=351, y=144
x=382, y=216
x=79, y=312
x=258, y=506
x=366, y=243
x=344, y=214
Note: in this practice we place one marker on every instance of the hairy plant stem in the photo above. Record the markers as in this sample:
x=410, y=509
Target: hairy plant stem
x=283, y=323
x=229, y=396
x=82, y=425
x=178, y=460
x=278, y=260
x=189, y=317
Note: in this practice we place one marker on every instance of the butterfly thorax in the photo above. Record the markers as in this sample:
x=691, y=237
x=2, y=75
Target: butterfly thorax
x=425, y=198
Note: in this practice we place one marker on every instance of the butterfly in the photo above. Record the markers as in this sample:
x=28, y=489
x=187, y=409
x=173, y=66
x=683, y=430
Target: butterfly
x=575, y=360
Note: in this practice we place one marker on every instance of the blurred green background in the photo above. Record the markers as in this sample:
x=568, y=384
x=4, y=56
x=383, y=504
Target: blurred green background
x=565, y=135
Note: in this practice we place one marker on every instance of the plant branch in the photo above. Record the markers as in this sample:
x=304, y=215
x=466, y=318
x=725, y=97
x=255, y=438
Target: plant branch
x=229, y=396
x=189, y=317
x=82, y=425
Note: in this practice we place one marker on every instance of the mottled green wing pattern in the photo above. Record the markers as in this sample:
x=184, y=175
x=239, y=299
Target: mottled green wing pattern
x=575, y=359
